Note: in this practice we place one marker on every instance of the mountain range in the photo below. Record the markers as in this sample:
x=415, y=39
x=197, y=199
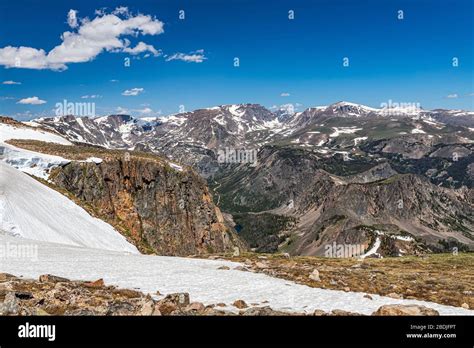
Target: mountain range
x=401, y=178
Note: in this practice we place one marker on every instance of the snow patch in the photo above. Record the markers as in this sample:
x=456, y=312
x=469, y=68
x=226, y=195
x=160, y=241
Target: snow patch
x=200, y=278
x=35, y=211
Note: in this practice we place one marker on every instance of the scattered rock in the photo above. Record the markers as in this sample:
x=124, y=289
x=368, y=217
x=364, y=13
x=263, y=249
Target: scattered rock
x=398, y=309
x=315, y=276
x=368, y=296
x=120, y=308
x=221, y=304
x=241, y=268
x=262, y=311
x=181, y=299
x=6, y=277
x=147, y=307
x=319, y=313
x=465, y=306
x=240, y=304
x=48, y=278
x=195, y=307
x=261, y=265
x=346, y=289
x=10, y=305
x=127, y=293
x=339, y=312
x=40, y=312
x=225, y=268
x=165, y=307
x=395, y=295
x=99, y=283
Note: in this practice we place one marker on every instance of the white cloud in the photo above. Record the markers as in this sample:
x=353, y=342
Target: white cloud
x=92, y=96
x=121, y=10
x=452, y=96
x=285, y=94
x=72, y=18
x=120, y=110
x=6, y=98
x=86, y=41
x=132, y=92
x=10, y=82
x=140, y=48
x=145, y=111
x=113, y=80
x=195, y=57
x=31, y=101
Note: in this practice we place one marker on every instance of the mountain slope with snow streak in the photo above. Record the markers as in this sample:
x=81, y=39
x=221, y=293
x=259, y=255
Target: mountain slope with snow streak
x=8, y=132
x=32, y=210
x=200, y=278
x=30, y=162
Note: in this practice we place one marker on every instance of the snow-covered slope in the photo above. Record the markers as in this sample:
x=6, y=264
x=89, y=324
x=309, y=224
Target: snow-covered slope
x=30, y=162
x=11, y=132
x=32, y=210
x=201, y=278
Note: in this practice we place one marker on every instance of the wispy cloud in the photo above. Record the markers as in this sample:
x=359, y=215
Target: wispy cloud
x=192, y=57
x=132, y=92
x=31, y=101
x=285, y=94
x=140, y=48
x=452, y=96
x=93, y=96
x=10, y=82
x=120, y=110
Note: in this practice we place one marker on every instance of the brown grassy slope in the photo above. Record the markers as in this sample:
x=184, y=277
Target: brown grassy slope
x=443, y=278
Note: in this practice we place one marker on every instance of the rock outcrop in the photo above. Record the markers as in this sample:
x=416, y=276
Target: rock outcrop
x=160, y=208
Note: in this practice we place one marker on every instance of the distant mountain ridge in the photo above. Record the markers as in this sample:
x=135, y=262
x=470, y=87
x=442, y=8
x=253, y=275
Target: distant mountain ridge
x=311, y=164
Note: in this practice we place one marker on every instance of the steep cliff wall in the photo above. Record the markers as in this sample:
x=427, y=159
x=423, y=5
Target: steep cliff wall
x=161, y=209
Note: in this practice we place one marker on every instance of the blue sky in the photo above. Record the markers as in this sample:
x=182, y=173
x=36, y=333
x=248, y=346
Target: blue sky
x=282, y=61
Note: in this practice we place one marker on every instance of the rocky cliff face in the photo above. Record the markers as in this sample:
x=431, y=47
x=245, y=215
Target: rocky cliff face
x=408, y=203
x=168, y=211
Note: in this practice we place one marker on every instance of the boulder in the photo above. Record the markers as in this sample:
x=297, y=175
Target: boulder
x=240, y=304
x=181, y=299
x=4, y=277
x=10, y=305
x=315, y=276
x=398, y=309
x=195, y=307
x=99, y=283
x=49, y=278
